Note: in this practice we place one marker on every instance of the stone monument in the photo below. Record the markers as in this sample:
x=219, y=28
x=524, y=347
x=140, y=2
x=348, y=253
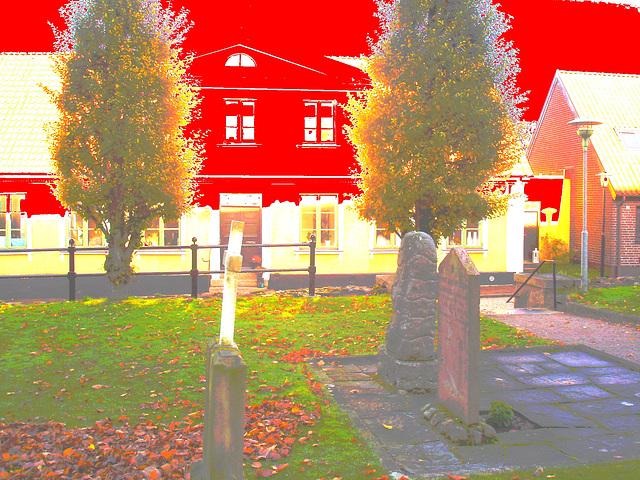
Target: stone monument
x=407, y=360
x=459, y=336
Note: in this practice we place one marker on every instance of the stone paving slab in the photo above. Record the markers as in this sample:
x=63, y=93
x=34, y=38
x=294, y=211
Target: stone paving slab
x=586, y=405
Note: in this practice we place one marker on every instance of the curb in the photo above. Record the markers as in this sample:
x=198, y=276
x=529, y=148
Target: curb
x=610, y=316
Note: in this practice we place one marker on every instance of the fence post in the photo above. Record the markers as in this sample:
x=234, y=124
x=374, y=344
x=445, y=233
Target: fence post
x=555, y=298
x=72, y=270
x=312, y=266
x=194, y=268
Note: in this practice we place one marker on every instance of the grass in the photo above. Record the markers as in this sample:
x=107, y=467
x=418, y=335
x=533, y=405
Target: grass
x=620, y=299
x=569, y=270
x=142, y=360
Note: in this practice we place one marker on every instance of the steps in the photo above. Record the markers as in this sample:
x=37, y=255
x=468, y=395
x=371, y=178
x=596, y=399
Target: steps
x=247, y=280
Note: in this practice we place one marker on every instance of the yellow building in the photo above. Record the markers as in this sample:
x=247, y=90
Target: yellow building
x=349, y=250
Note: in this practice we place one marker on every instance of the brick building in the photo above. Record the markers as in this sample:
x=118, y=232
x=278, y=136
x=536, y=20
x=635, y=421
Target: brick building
x=614, y=149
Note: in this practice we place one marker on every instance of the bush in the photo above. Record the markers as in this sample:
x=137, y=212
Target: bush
x=552, y=248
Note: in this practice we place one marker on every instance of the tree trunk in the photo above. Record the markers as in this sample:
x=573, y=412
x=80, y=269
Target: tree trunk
x=118, y=261
x=423, y=217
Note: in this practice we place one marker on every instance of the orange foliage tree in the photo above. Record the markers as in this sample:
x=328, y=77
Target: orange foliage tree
x=441, y=118
x=120, y=151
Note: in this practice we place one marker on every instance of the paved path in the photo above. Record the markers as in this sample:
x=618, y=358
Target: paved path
x=616, y=339
x=586, y=404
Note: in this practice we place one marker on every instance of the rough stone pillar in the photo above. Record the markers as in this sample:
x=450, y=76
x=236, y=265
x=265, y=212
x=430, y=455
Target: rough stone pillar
x=224, y=409
x=408, y=361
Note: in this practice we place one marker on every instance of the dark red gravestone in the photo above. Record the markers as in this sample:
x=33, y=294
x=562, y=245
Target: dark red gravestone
x=459, y=336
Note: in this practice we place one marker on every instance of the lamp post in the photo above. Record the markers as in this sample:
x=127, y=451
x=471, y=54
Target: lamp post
x=604, y=181
x=585, y=130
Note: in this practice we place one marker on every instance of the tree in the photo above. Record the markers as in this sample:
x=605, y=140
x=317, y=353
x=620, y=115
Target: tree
x=441, y=118
x=120, y=151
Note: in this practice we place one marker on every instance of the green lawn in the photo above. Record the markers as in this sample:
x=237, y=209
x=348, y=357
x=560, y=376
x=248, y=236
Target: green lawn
x=621, y=299
x=130, y=374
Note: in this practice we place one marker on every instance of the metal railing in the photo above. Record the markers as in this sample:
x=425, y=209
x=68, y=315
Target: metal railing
x=553, y=262
x=72, y=275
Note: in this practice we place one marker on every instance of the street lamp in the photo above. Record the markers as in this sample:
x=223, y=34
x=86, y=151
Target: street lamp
x=585, y=130
x=604, y=182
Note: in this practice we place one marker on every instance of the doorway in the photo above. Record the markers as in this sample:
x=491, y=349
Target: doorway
x=247, y=209
x=531, y=233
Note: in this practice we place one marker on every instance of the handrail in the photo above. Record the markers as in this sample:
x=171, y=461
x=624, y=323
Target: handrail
x=532, y=274
x=72, y=275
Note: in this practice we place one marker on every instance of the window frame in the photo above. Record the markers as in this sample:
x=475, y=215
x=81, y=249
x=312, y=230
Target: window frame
x=240, y=55
x=624, y=134
x=637, y=237
x=464, y=231
x=10, y=209
x=241, y=120
x=318, y=127
x=85, y=230
x=162, y=232
x=319, y=231
x=394, y=239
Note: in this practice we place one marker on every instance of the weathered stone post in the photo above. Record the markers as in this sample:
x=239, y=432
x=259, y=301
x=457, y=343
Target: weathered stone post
x=224, y=406
x=408, y=358
x=459, y=336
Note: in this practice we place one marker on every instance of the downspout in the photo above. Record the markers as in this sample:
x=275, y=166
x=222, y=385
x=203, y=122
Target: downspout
x=618, y=240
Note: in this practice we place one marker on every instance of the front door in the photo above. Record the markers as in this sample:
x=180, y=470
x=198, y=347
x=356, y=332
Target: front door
x=251, y=215
x=530, y=233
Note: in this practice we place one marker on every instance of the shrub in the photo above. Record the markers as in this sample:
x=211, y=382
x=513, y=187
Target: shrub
x=552, y=248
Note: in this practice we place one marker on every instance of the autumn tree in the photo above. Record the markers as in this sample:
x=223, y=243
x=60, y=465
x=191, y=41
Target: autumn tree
x=121, y=155
x=440, y=119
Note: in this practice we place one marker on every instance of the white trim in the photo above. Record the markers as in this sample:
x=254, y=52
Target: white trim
x=259, y=51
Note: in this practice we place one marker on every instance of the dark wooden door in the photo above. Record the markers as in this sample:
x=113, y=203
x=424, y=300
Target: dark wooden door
x=530, y=234
x=252, y=218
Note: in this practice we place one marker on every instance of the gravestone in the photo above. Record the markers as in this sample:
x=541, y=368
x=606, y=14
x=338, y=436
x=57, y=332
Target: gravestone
x=407, y=360
x=459, y=336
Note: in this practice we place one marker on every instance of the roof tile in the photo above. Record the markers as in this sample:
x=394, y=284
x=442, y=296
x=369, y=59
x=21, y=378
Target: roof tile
x=25, y=110
x=615, y=100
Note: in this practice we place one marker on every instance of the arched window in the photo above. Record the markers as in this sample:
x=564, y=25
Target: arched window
x=240, y=60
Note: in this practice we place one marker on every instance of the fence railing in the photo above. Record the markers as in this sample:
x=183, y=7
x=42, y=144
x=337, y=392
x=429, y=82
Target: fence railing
x=72, y=275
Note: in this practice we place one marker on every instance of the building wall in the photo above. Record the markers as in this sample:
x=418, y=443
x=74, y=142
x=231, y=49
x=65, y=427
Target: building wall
x=355, y=252
x=561, y=228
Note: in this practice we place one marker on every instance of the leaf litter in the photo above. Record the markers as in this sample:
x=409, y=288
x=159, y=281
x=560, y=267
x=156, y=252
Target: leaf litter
x=110, y=450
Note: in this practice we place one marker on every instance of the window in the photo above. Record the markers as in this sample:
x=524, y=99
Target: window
x=240, y=60
x=385, y=239
x=637, y=224
x=239, y=124
x=318, y=217
x=468, y=236
x=85, y=233
x=12, y=221
x=162, y=232
x=630, y=138
x=319, y=125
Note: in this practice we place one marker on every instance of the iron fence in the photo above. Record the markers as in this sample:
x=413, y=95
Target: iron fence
x=72, y=275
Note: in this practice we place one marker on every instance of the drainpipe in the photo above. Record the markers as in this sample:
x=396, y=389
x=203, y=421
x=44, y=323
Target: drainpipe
x=618, y=239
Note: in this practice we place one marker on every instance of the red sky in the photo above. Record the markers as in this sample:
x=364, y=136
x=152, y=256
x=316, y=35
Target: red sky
x=550, y=34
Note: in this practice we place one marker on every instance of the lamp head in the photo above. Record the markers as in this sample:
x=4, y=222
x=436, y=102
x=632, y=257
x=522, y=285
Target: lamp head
x=585, y=126
x=604, y=179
